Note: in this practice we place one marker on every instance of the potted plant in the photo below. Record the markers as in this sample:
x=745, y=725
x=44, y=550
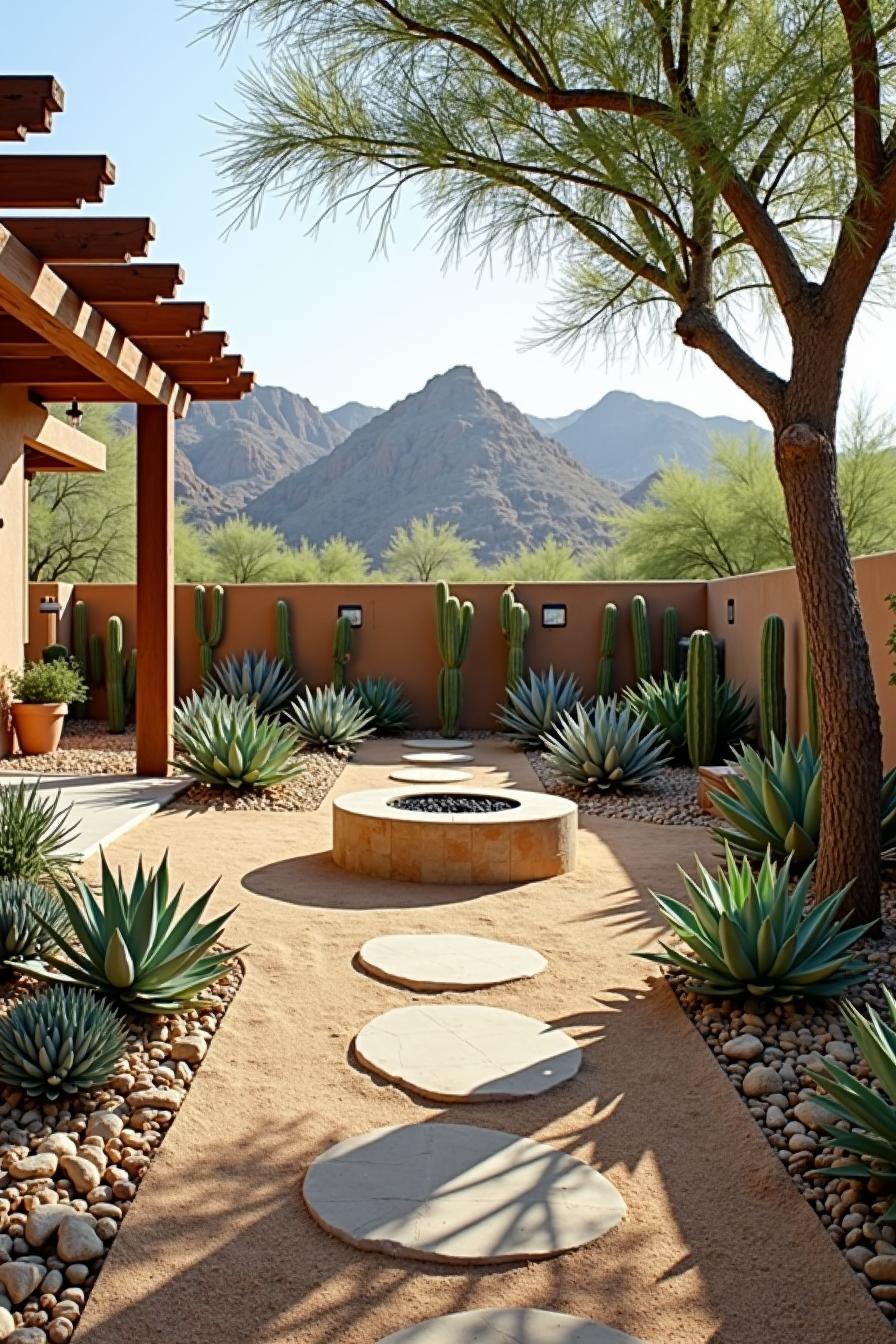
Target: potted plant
x=42, y=693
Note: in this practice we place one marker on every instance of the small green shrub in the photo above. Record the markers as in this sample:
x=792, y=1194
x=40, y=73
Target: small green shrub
x=607, y=747
x=665, y=706
x=385, y=701
x=58, y=681
x=136, y=944
x=21, y=935
x=267, y=683
x=60, y=1042
x=330, y=718
x=869, y=1110
x=746, y=935
x=225, y=743
x=34, y=832
x=533, y=705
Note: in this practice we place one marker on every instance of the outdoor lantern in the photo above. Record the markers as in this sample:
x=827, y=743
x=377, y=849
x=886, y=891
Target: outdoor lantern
x=553, y=615
x=355, y=615
x=731, y=611
x=49, y=606
x=74, y=415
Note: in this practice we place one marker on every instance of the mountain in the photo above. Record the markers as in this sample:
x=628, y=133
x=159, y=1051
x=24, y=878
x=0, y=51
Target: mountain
x=625, y=437
x=549, y=425
x=453, y=449
x=353, y=414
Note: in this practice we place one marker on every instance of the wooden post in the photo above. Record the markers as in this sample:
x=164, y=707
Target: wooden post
x=155, y=589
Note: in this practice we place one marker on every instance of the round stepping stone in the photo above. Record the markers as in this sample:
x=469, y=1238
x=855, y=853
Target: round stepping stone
x=420, y=774
x=508, y=1325
x=467, y=1052
x=437, y=743
x=458, y=1193
x=448, y=960
x=436, y=758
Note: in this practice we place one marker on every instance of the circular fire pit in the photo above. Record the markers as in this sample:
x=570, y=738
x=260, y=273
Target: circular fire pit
x=478, y=835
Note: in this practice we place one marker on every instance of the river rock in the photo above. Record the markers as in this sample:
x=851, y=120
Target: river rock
x=813, y=1114
x=105, y=1125
x=192, y=1049
x=155, y=1098
x=760, y=1081
x=20, y=1278
x=745, y=1047
x=43, y=1220
x=35, y=1167
x=81, y=1172
x=7, y=1324
x=63, y=1145
x=880, y=1268
x=77, y=1240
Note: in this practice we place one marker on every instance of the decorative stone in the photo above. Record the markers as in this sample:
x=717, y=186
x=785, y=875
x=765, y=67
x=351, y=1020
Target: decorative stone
x=433, y=758
x=508, y=1325
x=81, y=1172
x=813, y=1114
x=429, y=775
x=458, y=1193
x=448, y=960
x=95, y=1155
x=43, y=1220
x=437, y=743
x=19, y=1279
x=7, y=1324
x=35, y=1167
x=27, y=1334
x=192, y=1048
x=467, y=1052
x=156, y=1099
x=745, y=1047
x=105, y=1125
x=63, y=1145
x=78, y=1240
x=760, y=1081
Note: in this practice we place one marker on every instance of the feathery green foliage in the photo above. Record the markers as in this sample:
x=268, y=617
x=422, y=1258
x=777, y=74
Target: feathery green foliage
x=385, y=701
x=34, y=832
x=227, y=744
x=607, y=747
x=267, y=683
x=330, y=718
x=746, y=935
x=426, y=550
x=60, y=1042
x=533, y=705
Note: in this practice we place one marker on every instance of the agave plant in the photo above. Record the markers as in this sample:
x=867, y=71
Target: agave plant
x=34, y=832
x=21, y=936
x=386, y=702
x=734, y=717
x=604, y=748
x=60, y=1042
x=533, y=705
x=665, y=706
x=775, y=803
x=330, y=718
x=267, y=683
x=864, y=1107
x=746, y=935
x=225, y=743
x=136, y=945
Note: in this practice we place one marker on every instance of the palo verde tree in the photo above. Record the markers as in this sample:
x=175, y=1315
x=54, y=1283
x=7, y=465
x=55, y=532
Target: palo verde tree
x=676, y=158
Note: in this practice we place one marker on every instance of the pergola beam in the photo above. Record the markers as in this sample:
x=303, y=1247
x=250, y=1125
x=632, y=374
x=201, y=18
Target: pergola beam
x=200, y=345
x=155, y=590
x=139, y=282
x=82, y=239
x=27, y=104
x=53, y=181
x=155, y=319
x=59, y=370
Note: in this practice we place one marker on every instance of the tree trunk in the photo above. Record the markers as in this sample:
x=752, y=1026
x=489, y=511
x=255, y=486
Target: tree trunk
x=850, y=719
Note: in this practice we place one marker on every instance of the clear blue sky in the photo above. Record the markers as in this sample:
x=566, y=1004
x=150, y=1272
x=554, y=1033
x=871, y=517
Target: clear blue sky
x=317, y=315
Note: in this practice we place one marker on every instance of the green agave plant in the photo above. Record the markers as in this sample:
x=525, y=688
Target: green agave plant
x=136, y=945
x=267, y=683
x=747, y=935
x=604, y=748
x=534, y=703
x=665, y=706
x=21, y=936
x=60, y=1042
x=385, y=701
x=225, y=743
x=734, y=715
x=870, y=1112
x=330, y=718
x=775, y=803
x=34, y=832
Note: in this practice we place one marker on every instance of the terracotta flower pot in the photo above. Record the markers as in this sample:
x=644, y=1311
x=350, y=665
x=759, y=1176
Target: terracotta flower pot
x=38, y=727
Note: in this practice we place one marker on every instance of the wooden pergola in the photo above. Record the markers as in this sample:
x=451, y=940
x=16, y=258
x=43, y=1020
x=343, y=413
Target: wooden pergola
x=83, y=317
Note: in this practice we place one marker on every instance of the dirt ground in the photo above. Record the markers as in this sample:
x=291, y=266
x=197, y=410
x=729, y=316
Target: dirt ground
x=717, y=1246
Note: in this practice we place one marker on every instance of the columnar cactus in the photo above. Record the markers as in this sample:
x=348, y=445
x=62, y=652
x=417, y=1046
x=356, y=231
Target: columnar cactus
x=342, y=651
x=641, y=638
x=812, y=701
x=97, y=661
x=453, y=624
x=515, y=628
x=80, y=651
x=772, y=696
x=208, y=633
x=284, y=638
x=609, y=626
x=121, y=676
x=670, y=641
x=702, y=723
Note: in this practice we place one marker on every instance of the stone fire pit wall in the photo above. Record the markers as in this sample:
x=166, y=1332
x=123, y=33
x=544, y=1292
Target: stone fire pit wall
x=532, y=840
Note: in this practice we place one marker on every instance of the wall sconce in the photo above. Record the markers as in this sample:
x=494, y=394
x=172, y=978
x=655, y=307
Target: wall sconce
x=74, y=415
x=731, y=611
x=553, y=615
x=355, y=615
x=49, y=606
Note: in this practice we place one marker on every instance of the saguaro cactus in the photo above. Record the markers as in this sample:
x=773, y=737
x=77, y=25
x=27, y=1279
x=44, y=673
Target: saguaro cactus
x=515, y=628
x=772, y=695
x=121, y=676
x=670, y=641
x=609, y=626
x=641, y=638
x=208, y=632
x=701, y=718
x=80, y=650
x=342, y=651
x=284, y=638
x=812, y=701
x=453, y=624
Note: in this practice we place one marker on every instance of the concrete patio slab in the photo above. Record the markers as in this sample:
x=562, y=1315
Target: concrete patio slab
x=104, y=807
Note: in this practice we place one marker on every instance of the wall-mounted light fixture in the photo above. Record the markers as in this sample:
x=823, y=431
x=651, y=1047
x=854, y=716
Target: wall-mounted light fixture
x=355, y=614
x=553, y=615
x=74, y=415
x=49, y=606
x=731, y=611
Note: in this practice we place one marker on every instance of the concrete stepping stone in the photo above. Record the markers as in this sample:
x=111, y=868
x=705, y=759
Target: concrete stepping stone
x=436, y=758
x=433, y=774
x=508, y=1325
x=467, y=1052
x=439, y=961
x=437, y=743
x=458, y=1193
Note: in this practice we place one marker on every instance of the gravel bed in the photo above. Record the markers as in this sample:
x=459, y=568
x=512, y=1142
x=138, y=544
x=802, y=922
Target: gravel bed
x=670, y=799
x=766, y=1049
x=87, y=748
x=69, y=1170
